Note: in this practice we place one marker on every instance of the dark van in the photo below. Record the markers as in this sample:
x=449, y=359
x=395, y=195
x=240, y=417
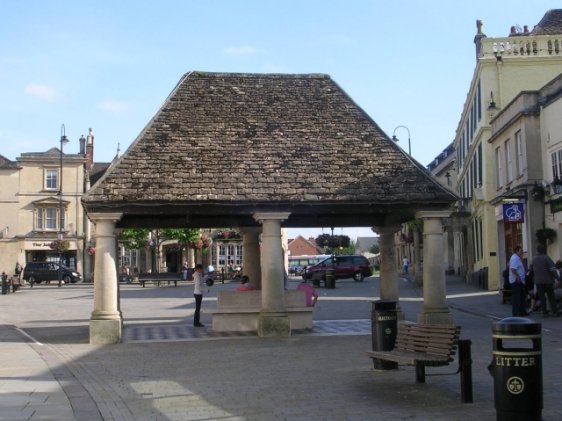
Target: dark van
x=37, y=272
x=352, y=266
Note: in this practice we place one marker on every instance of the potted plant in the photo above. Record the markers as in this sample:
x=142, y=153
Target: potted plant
x=545, y=235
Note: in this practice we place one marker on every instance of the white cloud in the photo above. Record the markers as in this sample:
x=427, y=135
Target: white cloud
x=242, y=50
x=48, y=93
x=114, y=107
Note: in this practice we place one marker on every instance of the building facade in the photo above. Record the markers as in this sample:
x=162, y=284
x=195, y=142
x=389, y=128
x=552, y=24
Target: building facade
x=505, y=66
x=36, y=211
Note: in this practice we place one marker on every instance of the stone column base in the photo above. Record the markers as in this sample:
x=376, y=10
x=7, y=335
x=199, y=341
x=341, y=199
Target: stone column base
x=436, y=317
x=274, y=325
x=105, y=332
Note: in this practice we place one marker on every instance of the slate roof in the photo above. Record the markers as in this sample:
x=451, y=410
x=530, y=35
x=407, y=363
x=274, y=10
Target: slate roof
x=272, y=141
x=5, y=163
x=98, y=170
x=550, y=24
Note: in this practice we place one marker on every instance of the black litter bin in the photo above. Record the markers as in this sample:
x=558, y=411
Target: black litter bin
x=384, y=325
x=330, y=278
x=517, y=369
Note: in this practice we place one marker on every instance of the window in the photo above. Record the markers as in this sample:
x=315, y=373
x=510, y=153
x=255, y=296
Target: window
x=556, y=164
x=519, y=166
x=51, y=179
x=480, y=165
x=222, y=257
x=508, y=161
x=129, y=258
x=499, y=169
x=47, y=219
x=239, y=254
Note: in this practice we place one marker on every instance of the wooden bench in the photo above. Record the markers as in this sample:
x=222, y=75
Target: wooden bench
x=160, y=277
x=430, y=345
x=238, y=311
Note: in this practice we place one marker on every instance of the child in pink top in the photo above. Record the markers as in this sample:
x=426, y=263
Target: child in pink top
x=310, y=291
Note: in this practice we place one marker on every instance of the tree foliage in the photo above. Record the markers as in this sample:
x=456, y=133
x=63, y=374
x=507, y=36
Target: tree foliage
x=134, y=238
x=184, y=236
x=375, y=249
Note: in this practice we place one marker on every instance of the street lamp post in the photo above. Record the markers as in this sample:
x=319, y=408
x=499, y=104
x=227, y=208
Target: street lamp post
x=396, y=139
x=63, y=141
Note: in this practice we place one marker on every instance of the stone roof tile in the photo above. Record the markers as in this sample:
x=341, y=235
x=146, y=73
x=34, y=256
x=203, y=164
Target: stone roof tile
x=241, y=138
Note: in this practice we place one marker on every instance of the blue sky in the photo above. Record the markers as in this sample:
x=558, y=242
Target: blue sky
x=110, y=65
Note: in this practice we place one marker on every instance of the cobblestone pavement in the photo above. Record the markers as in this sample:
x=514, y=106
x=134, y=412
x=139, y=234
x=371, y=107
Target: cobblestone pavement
x=167, y=370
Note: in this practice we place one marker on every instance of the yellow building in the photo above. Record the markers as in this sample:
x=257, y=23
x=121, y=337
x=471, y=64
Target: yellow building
x=36, y=212
x=505, y=66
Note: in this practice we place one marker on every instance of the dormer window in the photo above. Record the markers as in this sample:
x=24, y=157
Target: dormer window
x=51, y=179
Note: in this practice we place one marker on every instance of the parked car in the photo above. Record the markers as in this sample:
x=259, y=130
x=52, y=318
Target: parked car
x=37, y=272
x=352, y=266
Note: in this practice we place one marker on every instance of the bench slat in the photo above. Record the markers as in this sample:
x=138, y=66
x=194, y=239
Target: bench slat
x=425, y=344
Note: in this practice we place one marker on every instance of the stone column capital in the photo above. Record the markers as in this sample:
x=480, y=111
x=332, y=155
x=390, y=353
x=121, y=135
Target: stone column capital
x=105, y=216
x=433, y=214
x=265, y=216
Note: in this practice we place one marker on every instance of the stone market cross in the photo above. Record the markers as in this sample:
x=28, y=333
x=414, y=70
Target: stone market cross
x=260, y=152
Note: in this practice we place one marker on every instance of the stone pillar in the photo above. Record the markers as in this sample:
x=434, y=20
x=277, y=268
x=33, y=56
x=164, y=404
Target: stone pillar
x=417, y=261
x=389, y=271
x=191, y=257
x=106, y=319
x=435, y=309
x=273, y=320
x=251, y=254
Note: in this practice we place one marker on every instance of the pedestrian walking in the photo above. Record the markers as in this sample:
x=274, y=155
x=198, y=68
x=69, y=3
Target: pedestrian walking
x=517, y=282
x=545, y=275
x=405, y=265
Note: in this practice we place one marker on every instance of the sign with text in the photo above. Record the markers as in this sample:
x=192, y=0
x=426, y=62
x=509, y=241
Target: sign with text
x=513, y=213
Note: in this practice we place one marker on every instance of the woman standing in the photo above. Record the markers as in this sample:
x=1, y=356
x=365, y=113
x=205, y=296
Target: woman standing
x=198, y=286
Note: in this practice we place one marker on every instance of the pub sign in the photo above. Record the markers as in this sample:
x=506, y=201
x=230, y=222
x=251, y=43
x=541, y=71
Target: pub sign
x=513, y=213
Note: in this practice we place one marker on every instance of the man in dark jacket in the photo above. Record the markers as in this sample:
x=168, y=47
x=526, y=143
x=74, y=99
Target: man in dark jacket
x=544, y=276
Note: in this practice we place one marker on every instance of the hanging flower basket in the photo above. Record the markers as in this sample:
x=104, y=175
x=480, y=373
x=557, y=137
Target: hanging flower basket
x=201, y=243
x=59, y=245
x=226, y=235
x=91, y=250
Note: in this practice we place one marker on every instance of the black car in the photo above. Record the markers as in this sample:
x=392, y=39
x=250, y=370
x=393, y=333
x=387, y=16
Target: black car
x=352, y=266
x=37, y=272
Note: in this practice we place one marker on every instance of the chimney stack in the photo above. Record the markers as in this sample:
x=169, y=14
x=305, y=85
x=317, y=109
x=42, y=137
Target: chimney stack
x=90, y=149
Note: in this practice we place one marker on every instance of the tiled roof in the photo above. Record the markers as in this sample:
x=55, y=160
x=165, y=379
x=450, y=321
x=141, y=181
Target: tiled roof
x=550, y=24
x=98, y=170
x=239, y=139
x=5, y=163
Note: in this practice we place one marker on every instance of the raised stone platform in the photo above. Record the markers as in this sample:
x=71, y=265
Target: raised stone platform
x=239, y=311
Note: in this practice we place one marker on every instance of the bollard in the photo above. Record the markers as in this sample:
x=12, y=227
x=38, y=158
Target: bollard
x=330, y=278
x=5, y=284
x=517, y=369
x=384, y=326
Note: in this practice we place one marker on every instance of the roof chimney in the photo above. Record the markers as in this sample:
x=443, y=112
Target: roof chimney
x=82, y=145
x=90, y=149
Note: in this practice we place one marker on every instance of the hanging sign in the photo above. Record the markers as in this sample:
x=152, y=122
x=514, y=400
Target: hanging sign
x=513, y=212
